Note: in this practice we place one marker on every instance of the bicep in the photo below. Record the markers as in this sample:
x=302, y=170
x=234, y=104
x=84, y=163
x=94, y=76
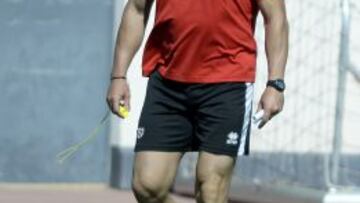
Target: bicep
x=271, y=9
x=141, y=6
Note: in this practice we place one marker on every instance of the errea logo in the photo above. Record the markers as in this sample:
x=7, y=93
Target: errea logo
x=232, y=138
x=140, y=132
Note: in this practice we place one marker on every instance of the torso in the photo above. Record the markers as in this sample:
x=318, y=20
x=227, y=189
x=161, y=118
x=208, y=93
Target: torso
x=203, y=41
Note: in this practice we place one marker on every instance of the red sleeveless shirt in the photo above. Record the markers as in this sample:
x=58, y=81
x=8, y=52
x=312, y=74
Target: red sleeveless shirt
x=203, y=41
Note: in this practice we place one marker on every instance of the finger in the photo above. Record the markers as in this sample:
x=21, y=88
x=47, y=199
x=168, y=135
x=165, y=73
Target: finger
x=115, y=107
x=121, y=102
x=127, y=104
x=262, y=123
x=265, y=118
x=274, y=112
x=127, y=101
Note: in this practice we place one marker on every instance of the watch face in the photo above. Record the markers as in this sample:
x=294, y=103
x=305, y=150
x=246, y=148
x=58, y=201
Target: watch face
x=280, y=84
x=277, y=84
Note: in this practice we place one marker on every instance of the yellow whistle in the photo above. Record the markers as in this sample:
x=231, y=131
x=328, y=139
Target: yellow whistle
x=123, y=111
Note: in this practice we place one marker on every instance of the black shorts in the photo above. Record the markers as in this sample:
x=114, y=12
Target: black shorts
x=212, y=117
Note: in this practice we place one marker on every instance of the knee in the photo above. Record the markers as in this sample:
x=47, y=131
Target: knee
x=211, y=189
x=149, y=188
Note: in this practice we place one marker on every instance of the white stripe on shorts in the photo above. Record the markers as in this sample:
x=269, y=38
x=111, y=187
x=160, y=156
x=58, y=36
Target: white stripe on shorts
x=247, y=117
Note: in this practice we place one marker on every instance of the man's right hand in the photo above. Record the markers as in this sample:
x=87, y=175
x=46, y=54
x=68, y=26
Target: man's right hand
x=128, y=40
x=118, y=94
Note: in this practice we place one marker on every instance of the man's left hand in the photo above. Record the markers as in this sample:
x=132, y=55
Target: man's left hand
x=272, y=102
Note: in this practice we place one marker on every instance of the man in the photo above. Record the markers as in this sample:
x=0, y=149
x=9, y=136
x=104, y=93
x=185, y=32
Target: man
x=200, y=59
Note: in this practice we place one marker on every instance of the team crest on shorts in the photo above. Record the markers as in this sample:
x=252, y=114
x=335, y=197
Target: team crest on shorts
x=140, y=132
x=232, y=138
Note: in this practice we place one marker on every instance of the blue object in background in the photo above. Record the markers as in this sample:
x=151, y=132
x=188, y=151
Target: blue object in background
x=55, y=62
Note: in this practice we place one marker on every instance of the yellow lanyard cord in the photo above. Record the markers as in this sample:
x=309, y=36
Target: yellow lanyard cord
x=68, y=152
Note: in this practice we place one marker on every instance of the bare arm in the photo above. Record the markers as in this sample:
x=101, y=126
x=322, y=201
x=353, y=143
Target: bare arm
x=129, y=38
x=130, y=34
x=276, y=47
x=276, y=36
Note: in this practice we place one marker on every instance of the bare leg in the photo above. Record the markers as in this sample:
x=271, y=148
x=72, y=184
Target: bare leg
x=213, y=177
x=153, y=174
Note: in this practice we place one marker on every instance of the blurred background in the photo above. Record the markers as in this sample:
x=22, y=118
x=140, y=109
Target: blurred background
x=55, y=62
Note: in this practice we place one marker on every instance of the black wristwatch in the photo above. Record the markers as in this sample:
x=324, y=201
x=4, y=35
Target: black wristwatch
x=278, y=84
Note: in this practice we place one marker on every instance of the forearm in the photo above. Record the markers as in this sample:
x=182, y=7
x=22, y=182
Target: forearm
x=276, y=46
x=129, y=37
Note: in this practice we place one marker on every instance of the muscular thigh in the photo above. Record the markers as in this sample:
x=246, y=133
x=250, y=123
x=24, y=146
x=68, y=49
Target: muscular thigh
x=213, y=177
x=210, y=164
x=155, y=167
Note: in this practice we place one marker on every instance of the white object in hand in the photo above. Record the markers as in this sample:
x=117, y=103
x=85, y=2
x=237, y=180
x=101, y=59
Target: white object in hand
x=257, y=118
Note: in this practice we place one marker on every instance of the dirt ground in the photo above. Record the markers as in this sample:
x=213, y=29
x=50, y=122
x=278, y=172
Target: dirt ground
x=61, y=193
